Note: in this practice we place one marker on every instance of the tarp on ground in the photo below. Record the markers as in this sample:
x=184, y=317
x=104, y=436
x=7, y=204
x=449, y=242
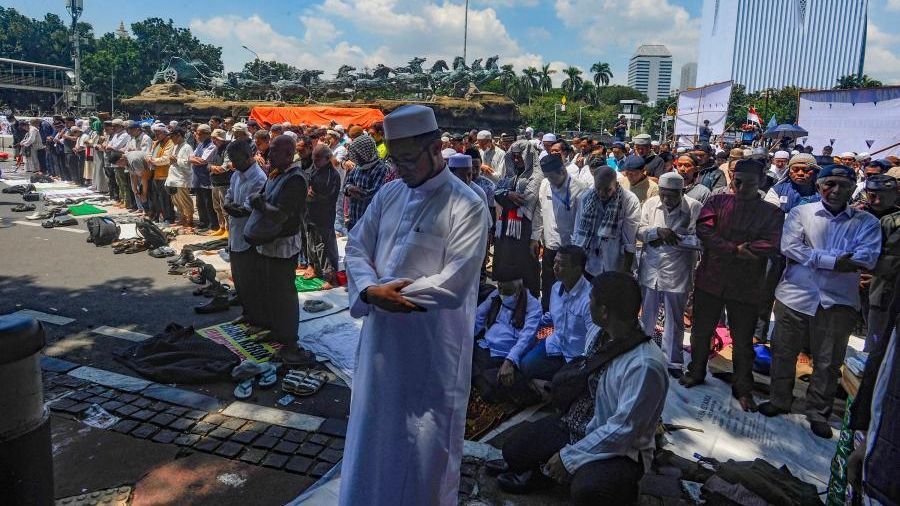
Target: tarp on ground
x=318, y=115
x=852, y=120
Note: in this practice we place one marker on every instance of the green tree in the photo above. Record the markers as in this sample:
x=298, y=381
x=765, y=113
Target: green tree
x=602, y=74
x=160, y=40
x=270, y=70
x=613, y=94
x=545, y=83
x=572, y=83
x=532, y=75
x=855, y=81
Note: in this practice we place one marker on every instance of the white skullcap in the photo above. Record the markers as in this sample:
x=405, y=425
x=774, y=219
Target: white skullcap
x=173, y=124
x=654, y=143
x=459, y=161
x=862, y=156
x=484, y=135
x=286, y=124
x=291, y=134
x=681, y=150
x=782, y=154
x=848, y=154
x=159, y=127
x=671, y=181
x=409, y=121
x=117, y=122
x=239, y=128
x=529, y=130
x=447, y=153
x=339, y=128
x=549, y=138
x=794, y=152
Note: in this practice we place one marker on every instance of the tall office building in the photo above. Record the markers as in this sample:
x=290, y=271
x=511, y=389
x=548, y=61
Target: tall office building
x=688, y=76
x=650, y=71
x=776, y=43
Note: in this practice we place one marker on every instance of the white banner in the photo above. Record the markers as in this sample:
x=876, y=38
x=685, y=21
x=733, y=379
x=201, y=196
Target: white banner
x=852, y=120
x=704, y=103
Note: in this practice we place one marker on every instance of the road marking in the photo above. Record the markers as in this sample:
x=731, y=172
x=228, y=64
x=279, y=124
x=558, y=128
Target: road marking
x=67, y=229
x=110, y=379
x=45, y=317
x=127, y=335
x=273, y=416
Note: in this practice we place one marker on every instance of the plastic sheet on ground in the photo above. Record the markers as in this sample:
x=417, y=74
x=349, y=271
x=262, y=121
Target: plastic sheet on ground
x=334, y=338
x=730, y=433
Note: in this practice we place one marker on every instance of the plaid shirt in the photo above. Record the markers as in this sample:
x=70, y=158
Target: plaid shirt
x=369, y=181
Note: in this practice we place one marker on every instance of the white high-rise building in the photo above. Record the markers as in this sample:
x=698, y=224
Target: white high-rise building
x=688, y=76
x=776, y=43
x=650, y=72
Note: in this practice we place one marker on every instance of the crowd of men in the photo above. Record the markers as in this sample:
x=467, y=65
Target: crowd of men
x=602, y=243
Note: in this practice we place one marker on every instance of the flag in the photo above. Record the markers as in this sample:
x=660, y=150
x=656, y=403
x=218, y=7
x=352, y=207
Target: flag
x=869, y=142
x=752, y=117
x=772, y=122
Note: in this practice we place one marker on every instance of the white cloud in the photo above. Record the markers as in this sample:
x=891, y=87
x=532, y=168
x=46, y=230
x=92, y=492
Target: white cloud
x=882, y=62
x=893, y=5
x=628, y=24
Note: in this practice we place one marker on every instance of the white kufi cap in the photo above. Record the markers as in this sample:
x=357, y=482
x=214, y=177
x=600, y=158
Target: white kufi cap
x=409, y=121
x=459, y=161
x=782, y=154
x=484, y=135
x=671, y=181
x=447, y=153
x=549, y=138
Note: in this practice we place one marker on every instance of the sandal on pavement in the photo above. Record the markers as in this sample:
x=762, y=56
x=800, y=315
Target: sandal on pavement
x=268, y=376
x=244, y=389
x=304, y=383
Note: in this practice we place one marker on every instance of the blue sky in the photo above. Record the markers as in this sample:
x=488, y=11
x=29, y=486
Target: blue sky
x=325, y=34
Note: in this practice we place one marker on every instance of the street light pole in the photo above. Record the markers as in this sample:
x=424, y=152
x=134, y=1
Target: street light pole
x=258, y=67
x=465, y=30
x=579, y=115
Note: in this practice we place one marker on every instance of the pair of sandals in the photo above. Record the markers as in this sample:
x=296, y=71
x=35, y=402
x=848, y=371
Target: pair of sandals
x=304, y=383
x=21, y=208
x=247, y=372
x=129, y=246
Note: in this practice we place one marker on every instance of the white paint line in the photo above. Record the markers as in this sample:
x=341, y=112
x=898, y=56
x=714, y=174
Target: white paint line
x=110, y=379
x=127, y=335
x=45, y=317
x=518, y=418
x=273, y=416
x=35, y=224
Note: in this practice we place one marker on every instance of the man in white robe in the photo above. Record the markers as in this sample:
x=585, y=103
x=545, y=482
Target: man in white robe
x=413, y=263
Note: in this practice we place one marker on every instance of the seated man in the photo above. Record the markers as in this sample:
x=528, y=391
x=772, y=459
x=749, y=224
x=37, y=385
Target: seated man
x=604, y=442
x=509, y=319
x=569, y=314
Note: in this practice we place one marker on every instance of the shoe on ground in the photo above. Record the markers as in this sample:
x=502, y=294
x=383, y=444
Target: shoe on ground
x=821, y=429
x=216, y=305
x=770, y=410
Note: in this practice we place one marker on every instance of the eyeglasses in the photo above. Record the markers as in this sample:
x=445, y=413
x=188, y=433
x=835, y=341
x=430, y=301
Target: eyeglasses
x=403, y=159
x=688, y=165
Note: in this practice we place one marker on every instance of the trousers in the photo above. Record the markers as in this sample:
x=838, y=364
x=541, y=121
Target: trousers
x=548, y=277
x=206, y=216
x=827, y=333
x=183, y=204
x=741, y=322
x=218, y=203
x=673, y=330
x=536, y=364
x=123, y=181
x=162, y=201
x=321, y=242
x=612, y=481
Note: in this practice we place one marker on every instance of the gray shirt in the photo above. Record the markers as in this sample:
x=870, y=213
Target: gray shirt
x=243, y=185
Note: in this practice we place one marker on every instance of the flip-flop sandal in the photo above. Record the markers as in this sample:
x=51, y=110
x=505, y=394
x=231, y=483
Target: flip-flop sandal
x=244, y=389
x=268, y=377
x=247, y=369
x=307, y=386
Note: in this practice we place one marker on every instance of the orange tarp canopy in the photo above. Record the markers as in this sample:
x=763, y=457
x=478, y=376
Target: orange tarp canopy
x=317, y=115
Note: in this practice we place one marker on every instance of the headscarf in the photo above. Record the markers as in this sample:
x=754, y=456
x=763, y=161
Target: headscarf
x=362, y=150
x=529, y=155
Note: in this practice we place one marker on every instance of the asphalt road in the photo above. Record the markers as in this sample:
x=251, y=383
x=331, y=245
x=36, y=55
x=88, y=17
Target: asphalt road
x=56, y=271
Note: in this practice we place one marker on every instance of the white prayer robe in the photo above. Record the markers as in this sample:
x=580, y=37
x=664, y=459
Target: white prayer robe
x=411, y=386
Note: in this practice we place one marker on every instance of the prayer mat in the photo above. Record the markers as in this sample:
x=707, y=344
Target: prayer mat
x=544, y=332
x=482, y=417
x=235, y=338
x=84, y=210
x=308, y=285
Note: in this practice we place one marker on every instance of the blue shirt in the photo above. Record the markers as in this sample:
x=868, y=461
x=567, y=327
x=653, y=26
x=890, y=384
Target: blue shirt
x=243, y=185
x=204, y=150
x=812, y=240
x=571, y=316
x=502, y=339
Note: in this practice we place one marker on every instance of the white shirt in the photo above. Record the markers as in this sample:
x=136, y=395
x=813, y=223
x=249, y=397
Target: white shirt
x=180, y=172
x=571, y=313
x=413, y=374
x=493, y=156
x=142, y=142
x=608, y=254
x=118, y=141
x=812, y=240
x=502, y=339
x=581, y=174
x=668, y=268
x=477, y=189
x=33, y=139
x=629, y=400
x=554, y=222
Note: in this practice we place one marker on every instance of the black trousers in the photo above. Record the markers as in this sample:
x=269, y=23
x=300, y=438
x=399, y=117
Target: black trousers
x=242, y=265
x=741, y=323
x=321, y=243
x=111, y=178
x=548, y=277
x=609, y=481
x=206, y=214
x=485, y=370
x=162, y=201
x=71, y=172
x=273, y=286
x=774, y=270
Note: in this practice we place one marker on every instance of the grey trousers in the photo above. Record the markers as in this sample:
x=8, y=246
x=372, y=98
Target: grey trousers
x=827, y=334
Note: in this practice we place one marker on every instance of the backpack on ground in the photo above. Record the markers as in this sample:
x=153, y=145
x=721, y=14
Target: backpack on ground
x=102, y=230
x=152, y=234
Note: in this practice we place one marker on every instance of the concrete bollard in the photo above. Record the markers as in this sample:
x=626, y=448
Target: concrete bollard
x=26, y=460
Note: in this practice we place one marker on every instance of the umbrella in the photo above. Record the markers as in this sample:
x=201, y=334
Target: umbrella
x=786, y=130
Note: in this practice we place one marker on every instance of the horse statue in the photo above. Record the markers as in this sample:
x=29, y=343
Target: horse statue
x=382, y=72
x=476, y=65
x=343, y=73
x=439, y=66
x=459, y=63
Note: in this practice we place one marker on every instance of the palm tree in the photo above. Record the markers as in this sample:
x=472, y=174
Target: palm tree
x=590, y=93
x=531, y=74
x=507, y=77
x=602, y=73
x=526, y=84
x=572, y=83
x=545, y=84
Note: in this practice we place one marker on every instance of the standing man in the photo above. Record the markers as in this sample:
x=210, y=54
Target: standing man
x=656, y=166
x=778, y=171
x=642, y=186
x=739, y=231
x=207, y=219
x=687, y=167
x=705, y=132
x=668, y=227
x=411, y=266
x=620, y=129
x=881, y=201
x=491, y=156
x=559, y=197
x=828, y=243
x=607, y=222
